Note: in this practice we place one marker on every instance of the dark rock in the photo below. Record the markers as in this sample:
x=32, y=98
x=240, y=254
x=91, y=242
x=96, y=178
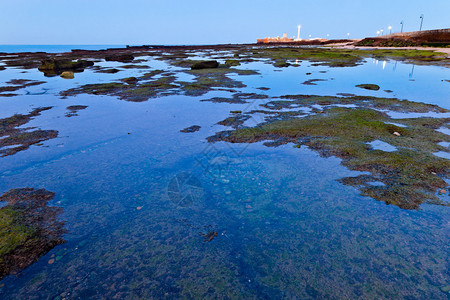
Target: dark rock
x=14, y=138
x=125, y=58
x=312, y=81
x=368, y=86
x=207, y=64
x=29, y=229
x=108, y=71
x=193, y=128
x=281, y=64
x=53, y=67
x=130, y=80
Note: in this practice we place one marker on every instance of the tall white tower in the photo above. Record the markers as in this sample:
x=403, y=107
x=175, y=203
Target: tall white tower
x=298, y=34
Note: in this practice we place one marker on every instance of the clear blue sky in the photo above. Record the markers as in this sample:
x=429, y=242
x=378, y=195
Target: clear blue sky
x=207, y=22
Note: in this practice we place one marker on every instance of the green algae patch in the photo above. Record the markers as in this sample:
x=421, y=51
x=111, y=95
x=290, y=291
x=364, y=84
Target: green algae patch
x=334, y=57
x=410, y=176
x=14, y=138
x=28, y=228
x=134, y=89
x=208, y=79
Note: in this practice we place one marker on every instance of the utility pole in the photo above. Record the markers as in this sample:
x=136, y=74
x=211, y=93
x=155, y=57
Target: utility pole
x=421, y=22
x=402, y=26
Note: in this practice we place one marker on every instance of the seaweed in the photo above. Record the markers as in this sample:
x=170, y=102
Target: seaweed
x=73, y=110
x=411, y=175
x=29, y=228
x=17, y=139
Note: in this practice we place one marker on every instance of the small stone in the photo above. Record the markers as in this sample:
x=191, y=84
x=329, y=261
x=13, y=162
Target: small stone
x=67, y=75
x=58, y=257
x=443, y=191
x=446, y=289
x=51, y=261
x=248, y=206
x=192, y=128
x=396, y=133
x=139, y=207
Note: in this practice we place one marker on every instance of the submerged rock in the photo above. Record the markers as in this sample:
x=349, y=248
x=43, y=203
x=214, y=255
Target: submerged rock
x=29, y=228
x=207, y=64
x=73, y=110
x=281, y=64
x=193, y=128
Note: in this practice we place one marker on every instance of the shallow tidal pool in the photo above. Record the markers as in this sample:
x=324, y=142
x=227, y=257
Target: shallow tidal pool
x=152, y=212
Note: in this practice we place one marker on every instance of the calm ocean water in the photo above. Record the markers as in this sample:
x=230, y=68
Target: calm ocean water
x=52, y=48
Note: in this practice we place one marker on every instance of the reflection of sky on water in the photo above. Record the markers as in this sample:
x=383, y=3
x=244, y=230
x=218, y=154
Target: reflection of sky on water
x=427, y=86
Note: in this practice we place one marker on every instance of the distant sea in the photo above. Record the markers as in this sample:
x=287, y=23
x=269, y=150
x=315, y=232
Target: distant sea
x=53, y=48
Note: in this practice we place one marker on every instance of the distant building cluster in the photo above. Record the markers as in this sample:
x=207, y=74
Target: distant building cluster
x=277, y=39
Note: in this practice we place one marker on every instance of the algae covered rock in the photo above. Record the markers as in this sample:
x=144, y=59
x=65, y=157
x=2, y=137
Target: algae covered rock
x=67, y=75
x=368, y=86
x=232, y=62
x=281, y=64
x=53, y=67
x=207, y=64
x=125, y=58
x=410, y=176
x=28, y=228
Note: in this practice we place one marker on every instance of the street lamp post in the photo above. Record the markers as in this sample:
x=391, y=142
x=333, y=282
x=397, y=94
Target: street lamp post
x=381, y=30
x=390, y=29
x=421, y=22
x=348, y=36
x=402, y=26
x=378, y=33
